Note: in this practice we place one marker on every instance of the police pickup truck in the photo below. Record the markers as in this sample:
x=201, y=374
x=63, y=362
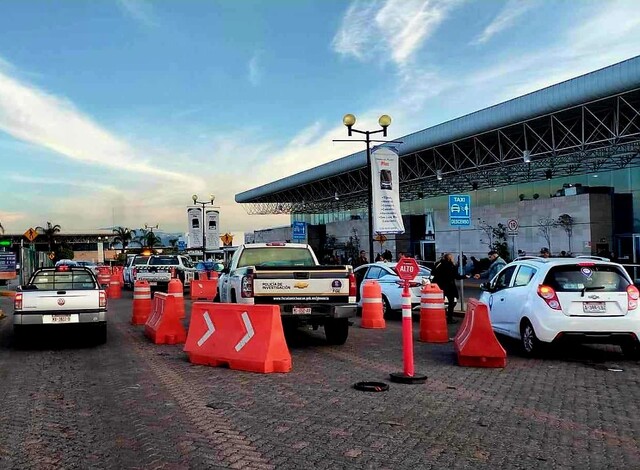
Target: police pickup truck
x=65, y=295
x=160, y=269
x=289, y=275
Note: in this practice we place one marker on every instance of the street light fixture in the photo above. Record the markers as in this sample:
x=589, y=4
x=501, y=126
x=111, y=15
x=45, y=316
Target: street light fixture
x=204, y=236
x=384, y=121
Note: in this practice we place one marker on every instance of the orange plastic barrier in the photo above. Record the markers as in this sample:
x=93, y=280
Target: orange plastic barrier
x=204, y=290
x=114, y=291
x=433, y=318
x=244, y=337
x=164, y=325
x=175, y=288
x=476, y=344
x=203, y=276
x=141, y=302
x=104, y=277
x=372, y=315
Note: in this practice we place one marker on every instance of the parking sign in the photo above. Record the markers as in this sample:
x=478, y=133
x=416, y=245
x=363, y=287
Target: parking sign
x=459, y=210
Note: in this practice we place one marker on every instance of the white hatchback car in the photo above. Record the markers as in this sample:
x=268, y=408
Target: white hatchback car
x=390, y=284
x=540, y=301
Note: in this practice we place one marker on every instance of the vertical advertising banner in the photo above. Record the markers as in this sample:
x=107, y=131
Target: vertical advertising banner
x=194, y=222
x=213, y=229
x=386, y=191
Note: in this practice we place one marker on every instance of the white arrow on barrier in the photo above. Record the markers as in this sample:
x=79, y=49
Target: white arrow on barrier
x=210, y=329
x=249, y=327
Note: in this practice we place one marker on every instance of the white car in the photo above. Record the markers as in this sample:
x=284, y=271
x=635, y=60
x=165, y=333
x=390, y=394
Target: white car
x=390, y=284
x=540, y=301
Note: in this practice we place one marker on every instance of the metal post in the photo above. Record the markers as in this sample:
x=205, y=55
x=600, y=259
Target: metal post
x=460, y=268
x=370, y=197
x=204, y=241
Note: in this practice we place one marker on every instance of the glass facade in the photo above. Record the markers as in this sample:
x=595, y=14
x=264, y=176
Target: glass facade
x=626, y=180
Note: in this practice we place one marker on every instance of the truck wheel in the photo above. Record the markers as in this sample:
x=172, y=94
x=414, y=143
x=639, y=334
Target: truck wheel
x=233, y=297
x=631, y=350
x=337, y=330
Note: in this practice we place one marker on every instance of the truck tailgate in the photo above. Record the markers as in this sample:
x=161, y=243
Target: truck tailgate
x=302, y=285
x=80, y=300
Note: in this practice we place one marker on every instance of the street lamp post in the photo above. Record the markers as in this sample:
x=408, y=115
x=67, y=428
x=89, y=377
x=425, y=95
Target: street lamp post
x=204, y=236
x=385, y=121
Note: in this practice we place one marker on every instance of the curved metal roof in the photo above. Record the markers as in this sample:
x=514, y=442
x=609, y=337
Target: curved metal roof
x=607, y=81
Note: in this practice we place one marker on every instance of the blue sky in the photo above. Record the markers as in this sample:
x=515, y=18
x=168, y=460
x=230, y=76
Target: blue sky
x=117, y=111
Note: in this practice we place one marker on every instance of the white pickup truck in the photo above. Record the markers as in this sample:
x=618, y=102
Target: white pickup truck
x=289, y=275
x=59, y=296
x=129, y=271
x=162, y=268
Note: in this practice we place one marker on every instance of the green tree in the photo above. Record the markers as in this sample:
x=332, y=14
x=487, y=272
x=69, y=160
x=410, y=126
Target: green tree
x=49, y=232
x=146, y=238
x=63, y=251
x=173, y=243
x=499, y=244
x=123, y=236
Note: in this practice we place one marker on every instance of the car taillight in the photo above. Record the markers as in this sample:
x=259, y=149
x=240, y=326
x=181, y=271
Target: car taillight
x=103, y=299
x=134, y=271
x=17, y=302
x=173, y=273
x=632, y=297
x=246, y=289
x=549, y=296
x=352, y=284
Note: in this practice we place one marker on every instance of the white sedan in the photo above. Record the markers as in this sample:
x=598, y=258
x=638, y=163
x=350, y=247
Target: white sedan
x=390, y=284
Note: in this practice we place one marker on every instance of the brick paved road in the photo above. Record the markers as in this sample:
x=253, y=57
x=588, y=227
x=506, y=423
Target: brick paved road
x=131, y=404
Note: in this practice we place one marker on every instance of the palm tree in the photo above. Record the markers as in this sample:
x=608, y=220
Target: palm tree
x=146, y=238
x=123, y=236
x=49, y=233
x=1, y=228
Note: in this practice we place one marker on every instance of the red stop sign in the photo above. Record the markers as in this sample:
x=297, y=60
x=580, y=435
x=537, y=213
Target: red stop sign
x=407, y=268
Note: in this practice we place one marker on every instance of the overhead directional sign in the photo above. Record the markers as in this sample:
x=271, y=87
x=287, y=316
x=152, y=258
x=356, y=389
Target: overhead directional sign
x=299, y=230
x=459, y=210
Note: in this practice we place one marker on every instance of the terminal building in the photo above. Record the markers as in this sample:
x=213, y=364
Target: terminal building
x=570, y=150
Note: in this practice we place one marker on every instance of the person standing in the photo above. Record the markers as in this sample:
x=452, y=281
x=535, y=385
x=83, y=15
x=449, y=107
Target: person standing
x=362, y=259
x=446, y=274
x=496, y=265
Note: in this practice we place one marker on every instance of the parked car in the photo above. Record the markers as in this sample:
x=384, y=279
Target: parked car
x=390, y=283
x=88, y=264
x=545, y=300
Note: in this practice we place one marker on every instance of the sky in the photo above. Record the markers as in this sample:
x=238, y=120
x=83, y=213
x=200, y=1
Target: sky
x=114, y=112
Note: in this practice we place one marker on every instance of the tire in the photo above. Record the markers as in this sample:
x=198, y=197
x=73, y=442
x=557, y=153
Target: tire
x=100, y=334
x=233, y=297
x=337, y=330
x=386, y=308
x=631, y=350
x=18, y=335
x=529, y=342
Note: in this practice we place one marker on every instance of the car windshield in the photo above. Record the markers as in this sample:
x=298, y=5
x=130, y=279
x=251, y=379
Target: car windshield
x=576, y=277
x=63, y=280
x=163, y=261
x=276, y=256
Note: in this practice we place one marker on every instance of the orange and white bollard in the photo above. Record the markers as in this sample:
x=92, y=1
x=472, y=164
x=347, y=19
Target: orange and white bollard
x=115, y=291
x=372, y=314
x=433, y=318
x=176, y=289
x=141, y=302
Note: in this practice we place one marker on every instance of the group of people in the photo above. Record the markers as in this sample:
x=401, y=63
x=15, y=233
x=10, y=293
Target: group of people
x=445, y=273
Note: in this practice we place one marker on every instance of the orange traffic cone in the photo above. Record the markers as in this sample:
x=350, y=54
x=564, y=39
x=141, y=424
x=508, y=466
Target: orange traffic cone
x=141, y=302
x=176, y=289
x=433, y=319
x=372, y=315
x=115, y=291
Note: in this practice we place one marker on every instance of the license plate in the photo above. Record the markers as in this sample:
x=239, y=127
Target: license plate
x=56, y=319
x=301, y=310
x=594, y=307
x=153, y=283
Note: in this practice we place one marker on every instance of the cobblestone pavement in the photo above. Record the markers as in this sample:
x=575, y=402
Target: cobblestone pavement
x=132, y=404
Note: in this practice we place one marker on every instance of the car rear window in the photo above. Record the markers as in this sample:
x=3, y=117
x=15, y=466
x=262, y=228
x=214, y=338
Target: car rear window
x=140, y=260
x=66, y=280
x=163, y=261
x=276, y=256
x=575, y=278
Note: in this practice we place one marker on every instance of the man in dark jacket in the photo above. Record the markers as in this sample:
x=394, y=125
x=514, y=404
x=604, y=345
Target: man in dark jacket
x=445, y=275
x=497, y=264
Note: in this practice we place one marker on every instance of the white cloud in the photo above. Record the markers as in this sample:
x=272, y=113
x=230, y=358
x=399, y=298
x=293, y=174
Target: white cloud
x=68, y=183
x=140, y=10
x=397, y=28
x=34, y=116
x=255, y=70
x=505, y=19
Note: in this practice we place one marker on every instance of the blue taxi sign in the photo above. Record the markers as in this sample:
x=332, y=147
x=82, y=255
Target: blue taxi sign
x=459, y=210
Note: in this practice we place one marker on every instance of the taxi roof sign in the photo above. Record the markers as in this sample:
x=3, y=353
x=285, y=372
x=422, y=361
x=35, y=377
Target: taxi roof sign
x=30, y=234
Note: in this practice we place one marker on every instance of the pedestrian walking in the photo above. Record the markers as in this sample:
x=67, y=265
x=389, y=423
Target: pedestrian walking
x=445, y=275
x=496, y=265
